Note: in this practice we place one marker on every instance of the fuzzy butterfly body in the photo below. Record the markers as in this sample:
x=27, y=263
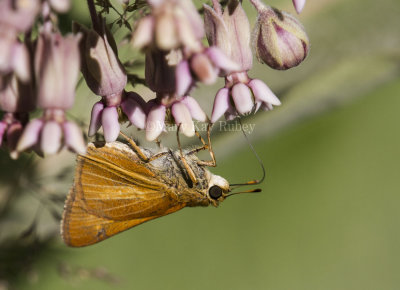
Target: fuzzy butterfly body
x=114, y=189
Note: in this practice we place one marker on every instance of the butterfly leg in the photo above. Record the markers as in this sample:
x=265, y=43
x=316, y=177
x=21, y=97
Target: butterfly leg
x=189, y=170
x=212, y=162
x=198, y=149
x=135, y=147
x=140, y=152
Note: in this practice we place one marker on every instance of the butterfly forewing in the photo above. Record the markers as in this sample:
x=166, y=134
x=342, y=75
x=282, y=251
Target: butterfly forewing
x=113, y=190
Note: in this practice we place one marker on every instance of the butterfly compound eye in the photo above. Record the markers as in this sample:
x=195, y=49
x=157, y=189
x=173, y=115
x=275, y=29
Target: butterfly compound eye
x=215, y=192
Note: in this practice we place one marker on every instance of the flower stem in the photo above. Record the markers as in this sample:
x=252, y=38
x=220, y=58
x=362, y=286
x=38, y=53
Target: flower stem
x=93, y=15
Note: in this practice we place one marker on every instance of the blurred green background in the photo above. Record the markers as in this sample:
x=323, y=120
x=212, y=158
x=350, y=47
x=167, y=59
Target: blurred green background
x=328, y=216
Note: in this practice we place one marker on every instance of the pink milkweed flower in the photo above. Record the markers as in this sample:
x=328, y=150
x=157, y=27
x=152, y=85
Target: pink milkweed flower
x=106, y=114
x=106, y=77
x=171, y=24
x=241, y=96
x=48, y=134
x=181, y=110
x=57, y=69
x=229, y=30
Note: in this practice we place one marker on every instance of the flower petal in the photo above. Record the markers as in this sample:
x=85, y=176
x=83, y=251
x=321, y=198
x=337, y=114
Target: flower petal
x=299, y=5
x=30, y=136
x=109, y=120
x=242, y=98
x=221, y=60
x=133, y=110
x=155, y=122
x=95, y=120
x=3, y=128
x=21, y=62
x=143, y=34
x=50, y=139
x=183, y=78
x=166, y=34
x=194, y=108
x=221, y=104
x=61, y=6
x=183, y=118
x=73, y=138
x=14, y=132
x=263, y=93
x=203, y=69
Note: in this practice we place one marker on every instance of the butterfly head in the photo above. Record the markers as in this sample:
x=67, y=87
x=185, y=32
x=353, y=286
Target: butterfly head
x=218, y=189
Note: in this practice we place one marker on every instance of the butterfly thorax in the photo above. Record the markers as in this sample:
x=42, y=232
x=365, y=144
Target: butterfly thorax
x=171, y=170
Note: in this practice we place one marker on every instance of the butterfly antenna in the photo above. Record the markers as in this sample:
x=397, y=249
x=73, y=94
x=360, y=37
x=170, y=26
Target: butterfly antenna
x=256, y=181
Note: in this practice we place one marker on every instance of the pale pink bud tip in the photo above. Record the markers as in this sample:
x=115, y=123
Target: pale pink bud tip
x=263, y=93
x=30, y=136
x=109, y=120
x=155, y=122
x=299, y=5
x=183, y=119
x=73, y=138
x=95, y=120
x=50, y=142
x=242, y=98
x=221, y=104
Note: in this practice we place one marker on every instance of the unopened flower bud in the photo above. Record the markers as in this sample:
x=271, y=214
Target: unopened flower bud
x=230, y=32
x=279, y=39
x=103, y=72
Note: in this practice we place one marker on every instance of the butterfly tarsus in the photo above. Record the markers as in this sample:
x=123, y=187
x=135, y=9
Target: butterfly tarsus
x=209, y=163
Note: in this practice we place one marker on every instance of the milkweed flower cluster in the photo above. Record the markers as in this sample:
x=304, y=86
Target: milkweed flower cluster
x=40, y=71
